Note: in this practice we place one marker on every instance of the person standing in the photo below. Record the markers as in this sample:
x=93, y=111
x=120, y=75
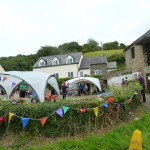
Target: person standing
x=64, y=89
x=142, y=83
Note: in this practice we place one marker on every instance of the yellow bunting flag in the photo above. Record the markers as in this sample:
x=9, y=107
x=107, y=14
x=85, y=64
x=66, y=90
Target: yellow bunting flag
x=10, y=116
x=96, y=111
x=136, y=141
x=135, y=93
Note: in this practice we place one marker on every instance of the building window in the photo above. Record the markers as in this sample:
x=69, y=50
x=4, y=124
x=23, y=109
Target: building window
x=55, y=62
x=97, y=72
x=70, y=74
x=56, y=75
x=42, y=64
x=132, y=53
x=81, y=74
x=69, y=60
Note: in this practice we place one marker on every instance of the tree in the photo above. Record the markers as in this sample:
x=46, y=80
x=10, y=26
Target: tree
x=122, y=46
x=111, y=45
x=47, y=50
x=70, y=47
x=91, y=45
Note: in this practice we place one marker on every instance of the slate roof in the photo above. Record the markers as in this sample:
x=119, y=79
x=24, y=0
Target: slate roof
x=86, y=62
x=62, y=58
x=142, y=39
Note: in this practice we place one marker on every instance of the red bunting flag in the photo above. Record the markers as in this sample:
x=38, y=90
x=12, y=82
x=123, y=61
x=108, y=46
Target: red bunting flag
x=2, y=119
x=131, y=101
x=43, y=120
x=4, y=78
x=82, y=110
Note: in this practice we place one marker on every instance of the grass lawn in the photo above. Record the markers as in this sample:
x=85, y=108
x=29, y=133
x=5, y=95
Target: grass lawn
x=117, y=138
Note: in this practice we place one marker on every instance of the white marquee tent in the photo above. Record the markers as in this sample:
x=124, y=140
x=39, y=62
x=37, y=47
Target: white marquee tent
x=91, y=80
x=37, y=80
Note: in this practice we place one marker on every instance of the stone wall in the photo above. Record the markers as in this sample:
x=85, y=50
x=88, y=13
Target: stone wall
x=102, y=67
x=137, y=63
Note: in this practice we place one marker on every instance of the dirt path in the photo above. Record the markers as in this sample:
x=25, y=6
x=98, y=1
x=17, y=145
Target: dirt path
x=147, y=104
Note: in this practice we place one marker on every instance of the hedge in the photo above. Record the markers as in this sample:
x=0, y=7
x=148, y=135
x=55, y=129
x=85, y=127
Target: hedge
x=72, y=123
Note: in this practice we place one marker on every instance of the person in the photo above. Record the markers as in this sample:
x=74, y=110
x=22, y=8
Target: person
x=142, y=83
x=64, y=89
x=78, y=89
x=85, y=89
x=81, y=87
x=34, y=97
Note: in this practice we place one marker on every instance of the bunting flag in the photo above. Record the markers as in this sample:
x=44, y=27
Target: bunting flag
x=10, y=116
x=65, y=109
x=110, y=100
x=105, y=105
x=25, y=122
x=130, y=101
x=43, y=120
x=136, y=141
x=4, y=78
x=135, y=93
x=13, y=84
x=118, y=107
x=60, y=112
x=2, y=119
x=96, y=111
x=82, y=110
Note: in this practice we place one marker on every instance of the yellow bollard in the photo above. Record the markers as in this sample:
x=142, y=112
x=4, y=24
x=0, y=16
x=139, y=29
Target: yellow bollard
x=136, y=141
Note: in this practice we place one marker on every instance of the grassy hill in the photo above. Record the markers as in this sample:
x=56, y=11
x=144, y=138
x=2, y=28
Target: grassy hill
x=112, y=55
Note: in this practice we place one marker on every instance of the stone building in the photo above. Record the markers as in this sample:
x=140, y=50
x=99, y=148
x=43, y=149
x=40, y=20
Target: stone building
x=137, y=56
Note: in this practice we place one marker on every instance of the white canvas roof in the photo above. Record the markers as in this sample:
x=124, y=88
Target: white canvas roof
x=37, y=80
x=92, y=80
x=1, y=69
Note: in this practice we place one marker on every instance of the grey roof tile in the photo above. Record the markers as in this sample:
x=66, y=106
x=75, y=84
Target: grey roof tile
x=62, y=58
x=86, y=62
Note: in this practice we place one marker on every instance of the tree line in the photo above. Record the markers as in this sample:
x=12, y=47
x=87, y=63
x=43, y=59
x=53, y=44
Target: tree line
x=26, y=62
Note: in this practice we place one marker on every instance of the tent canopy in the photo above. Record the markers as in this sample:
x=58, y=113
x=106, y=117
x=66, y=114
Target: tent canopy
x=37, y=80
x=91, y=80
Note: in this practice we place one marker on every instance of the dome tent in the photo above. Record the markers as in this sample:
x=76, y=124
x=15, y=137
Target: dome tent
x=37, y=80
x=92, y=80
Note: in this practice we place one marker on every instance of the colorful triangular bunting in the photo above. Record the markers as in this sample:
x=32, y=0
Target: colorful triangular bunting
x=105, y=105
x=60, y=112
x=25, y=122
x=65, y=109
x=10, y=116
x=82, y=110
x=96, y=111
x=43, y=120
x=4, y=78
x=2, y=119
x=13, y=84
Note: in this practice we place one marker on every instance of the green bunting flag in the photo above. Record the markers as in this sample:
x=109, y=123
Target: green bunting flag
x=65, y=109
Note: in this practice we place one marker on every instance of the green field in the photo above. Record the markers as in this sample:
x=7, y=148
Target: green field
x=107, y=53
x=112, y=55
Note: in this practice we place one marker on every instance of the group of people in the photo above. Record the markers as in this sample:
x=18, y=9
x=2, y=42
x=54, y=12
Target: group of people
x=83, y=89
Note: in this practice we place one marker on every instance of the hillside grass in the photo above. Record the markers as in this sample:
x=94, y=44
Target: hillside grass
x=107, y=53
x=112, y=55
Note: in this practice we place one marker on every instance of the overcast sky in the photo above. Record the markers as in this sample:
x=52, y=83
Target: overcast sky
x=25, y=25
